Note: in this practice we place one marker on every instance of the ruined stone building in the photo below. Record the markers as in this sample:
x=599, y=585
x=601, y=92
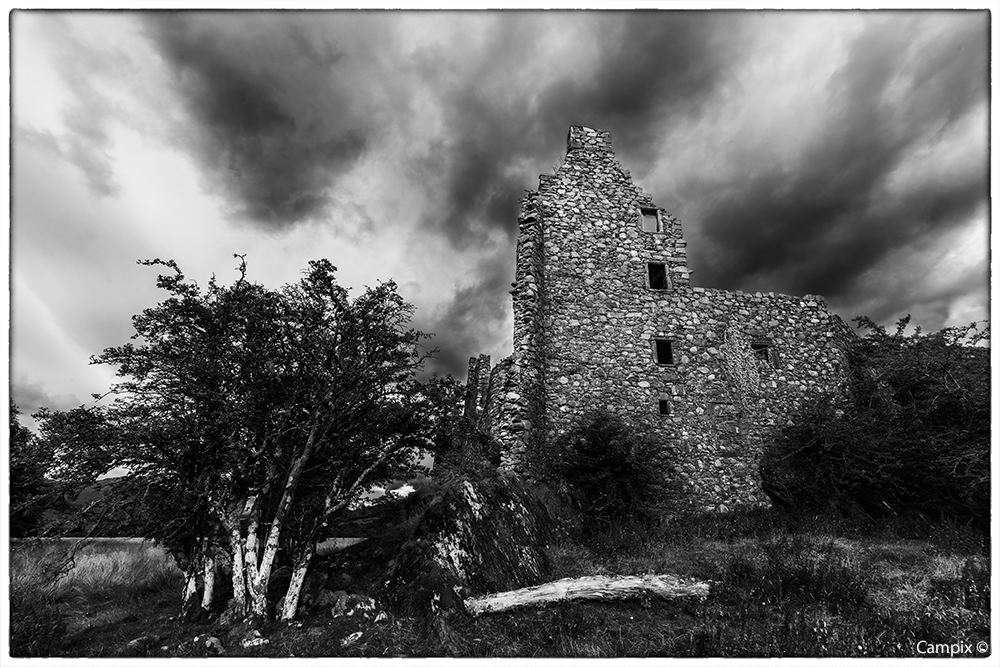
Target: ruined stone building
x=605, y=316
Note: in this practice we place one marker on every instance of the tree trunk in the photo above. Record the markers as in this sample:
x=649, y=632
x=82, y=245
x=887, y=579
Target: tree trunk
x=190, y=594
x=663, y=586
x=258, y=599
x=250, y=544
x=287, y=613
x=209, y=578
x=261, y=571
x=239, y=572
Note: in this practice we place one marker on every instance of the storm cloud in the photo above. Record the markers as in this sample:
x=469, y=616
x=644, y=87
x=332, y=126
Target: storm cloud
x=821, y=221
x=274, y=128
x=509, y=110
x=836, y=153
x=475, y=320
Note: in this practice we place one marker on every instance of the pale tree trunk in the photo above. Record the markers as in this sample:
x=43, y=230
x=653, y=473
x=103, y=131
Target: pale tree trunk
x=294, y=593
x=209, y=578
x=238, y=574
x=254, y=573
x=247, y=547
x=333, y=502
x=295, y=585
x=189, y=596
x=251, y=547
x=258, y=593
x=258, y=570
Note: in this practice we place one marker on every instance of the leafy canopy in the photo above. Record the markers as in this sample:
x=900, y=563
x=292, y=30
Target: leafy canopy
x=248, y=416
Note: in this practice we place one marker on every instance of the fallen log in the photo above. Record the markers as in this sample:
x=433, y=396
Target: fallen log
x=664, y=586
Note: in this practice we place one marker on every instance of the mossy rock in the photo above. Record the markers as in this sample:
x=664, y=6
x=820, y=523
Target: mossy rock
x=476, y=537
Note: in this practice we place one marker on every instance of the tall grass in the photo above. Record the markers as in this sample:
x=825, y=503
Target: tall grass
x=781, y=586
x=37, y=624
x=114, y=571
x=49, y=578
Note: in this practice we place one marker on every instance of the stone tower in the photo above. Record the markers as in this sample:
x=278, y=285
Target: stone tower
x=605, y=317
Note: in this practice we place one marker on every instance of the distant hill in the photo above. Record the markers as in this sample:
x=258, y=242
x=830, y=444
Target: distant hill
x=68, y=514
x=73, y=520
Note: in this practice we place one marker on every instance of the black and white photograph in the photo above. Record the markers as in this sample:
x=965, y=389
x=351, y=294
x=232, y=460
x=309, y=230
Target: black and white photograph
x=486, y=331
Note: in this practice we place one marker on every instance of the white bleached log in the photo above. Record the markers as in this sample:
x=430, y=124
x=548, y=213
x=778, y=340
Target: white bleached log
x=664, y=586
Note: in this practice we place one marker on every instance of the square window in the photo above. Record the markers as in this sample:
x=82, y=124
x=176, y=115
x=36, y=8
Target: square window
x=761, y=351
x=658, y=278
x=663, y=351
x=664, y=406
x=650, y=220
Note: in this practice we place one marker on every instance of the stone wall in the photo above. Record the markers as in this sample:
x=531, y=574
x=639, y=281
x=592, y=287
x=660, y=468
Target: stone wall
x=521, y=425
x=589, y=309
x=477, y=386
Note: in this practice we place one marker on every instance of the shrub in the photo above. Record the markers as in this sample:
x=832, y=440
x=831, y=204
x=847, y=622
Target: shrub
x=615, y=472
x=462, y=448
x=914, y=436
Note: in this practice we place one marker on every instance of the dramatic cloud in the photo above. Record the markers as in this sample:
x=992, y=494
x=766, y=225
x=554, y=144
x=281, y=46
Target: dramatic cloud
x=275, y=104
x=814, y=222
x=838, y=153
x=467, y=325
x=517, y=90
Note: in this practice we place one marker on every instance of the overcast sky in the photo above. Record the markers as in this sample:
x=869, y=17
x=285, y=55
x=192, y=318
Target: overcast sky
x=836, y=153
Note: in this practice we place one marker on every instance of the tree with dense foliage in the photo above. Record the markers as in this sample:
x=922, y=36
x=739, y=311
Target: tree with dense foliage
x=913, y=435
x=77, y=442
x=250, y=417
x=30, y=461
x=614, y=471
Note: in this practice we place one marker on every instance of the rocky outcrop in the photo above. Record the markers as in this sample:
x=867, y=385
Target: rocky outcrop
x=476, y=538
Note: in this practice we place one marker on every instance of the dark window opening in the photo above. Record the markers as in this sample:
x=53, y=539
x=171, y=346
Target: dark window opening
x=664, y=351
x=664, y=406
x=650, y=220
x=658, y=278
x=762, y=351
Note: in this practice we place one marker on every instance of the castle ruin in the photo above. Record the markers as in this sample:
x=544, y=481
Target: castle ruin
x=605, y=316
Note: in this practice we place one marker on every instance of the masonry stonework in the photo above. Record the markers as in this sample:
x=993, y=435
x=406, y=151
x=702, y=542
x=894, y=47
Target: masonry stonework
x=605, y=317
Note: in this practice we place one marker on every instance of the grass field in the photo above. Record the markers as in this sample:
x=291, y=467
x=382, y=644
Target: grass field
x=811, y=588
x=815, y=588
x=60, y=606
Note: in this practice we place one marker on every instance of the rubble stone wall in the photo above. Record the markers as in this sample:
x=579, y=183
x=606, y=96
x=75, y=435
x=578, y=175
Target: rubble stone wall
x=477, y=386
x=730, y=367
